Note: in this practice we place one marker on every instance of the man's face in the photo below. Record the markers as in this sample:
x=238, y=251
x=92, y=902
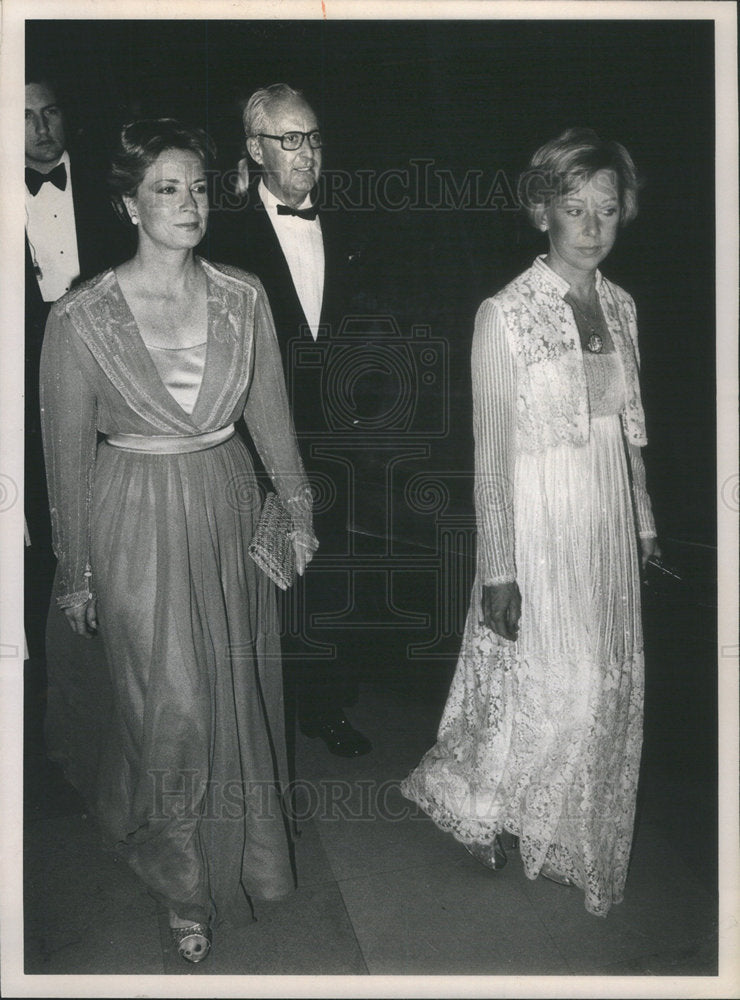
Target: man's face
x=45, y=139
x=289, y=175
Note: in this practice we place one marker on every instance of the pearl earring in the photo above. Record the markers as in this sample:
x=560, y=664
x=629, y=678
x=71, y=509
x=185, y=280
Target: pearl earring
x=135, y=220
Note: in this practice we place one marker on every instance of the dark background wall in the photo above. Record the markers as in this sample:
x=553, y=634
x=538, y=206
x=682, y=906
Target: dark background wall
x=467, y=96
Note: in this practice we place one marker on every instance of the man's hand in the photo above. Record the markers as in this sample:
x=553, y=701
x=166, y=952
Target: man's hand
x=83, y=618
x=501, y=606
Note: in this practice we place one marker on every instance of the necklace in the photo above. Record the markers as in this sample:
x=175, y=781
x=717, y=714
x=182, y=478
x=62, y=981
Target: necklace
x=594, y=342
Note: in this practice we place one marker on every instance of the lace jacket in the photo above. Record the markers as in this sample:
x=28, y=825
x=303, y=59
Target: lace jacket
x=530, y=393
x=552, y=403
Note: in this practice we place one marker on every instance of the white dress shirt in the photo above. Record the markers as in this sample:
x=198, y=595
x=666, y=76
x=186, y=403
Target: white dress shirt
x=302, y=243
x=52, y=237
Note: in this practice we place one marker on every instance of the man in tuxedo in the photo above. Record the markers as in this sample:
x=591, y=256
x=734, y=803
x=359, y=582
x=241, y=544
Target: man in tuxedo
x=277, y=233
x=71, y=234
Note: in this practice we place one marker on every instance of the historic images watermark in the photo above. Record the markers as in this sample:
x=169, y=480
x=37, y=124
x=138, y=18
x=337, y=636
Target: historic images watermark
x=419, y=185
x=185, y=795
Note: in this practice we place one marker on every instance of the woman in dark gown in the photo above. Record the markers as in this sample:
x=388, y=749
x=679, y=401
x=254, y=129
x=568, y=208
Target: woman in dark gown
x=151, y=529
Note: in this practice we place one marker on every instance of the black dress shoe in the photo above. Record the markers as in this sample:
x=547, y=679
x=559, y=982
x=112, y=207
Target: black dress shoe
x=338, y=734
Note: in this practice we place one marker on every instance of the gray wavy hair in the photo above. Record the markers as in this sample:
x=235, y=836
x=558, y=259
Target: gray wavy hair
x=255, y=113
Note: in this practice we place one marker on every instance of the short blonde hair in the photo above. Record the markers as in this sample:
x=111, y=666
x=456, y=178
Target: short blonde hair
x=566, y=163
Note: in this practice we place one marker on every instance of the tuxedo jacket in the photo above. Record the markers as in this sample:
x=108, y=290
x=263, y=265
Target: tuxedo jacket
x=244, y=236
x=102, y=242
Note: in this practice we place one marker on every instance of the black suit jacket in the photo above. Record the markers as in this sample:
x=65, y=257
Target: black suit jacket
x=245, y=237
x=101, y=242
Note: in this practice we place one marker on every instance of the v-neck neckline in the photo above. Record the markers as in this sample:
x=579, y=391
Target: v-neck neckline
x=149, y=361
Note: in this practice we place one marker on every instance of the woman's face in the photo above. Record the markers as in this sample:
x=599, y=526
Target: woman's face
x=582, y=225
x=171, y=203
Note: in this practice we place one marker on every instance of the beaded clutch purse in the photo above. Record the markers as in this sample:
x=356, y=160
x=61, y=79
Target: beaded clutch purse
x=272, y=544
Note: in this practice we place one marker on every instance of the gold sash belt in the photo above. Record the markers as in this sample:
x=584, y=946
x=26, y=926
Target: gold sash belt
x=170, y=444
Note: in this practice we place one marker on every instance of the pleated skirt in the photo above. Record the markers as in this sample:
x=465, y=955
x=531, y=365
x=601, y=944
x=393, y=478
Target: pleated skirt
x=192, y=770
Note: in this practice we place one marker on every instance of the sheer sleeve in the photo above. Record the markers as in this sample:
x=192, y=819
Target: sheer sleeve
x=268, y=419
x=494, y=428
x=68, y=423
x=643, y=507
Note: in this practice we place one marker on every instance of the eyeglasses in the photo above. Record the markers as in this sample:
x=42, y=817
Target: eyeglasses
x=294, y=140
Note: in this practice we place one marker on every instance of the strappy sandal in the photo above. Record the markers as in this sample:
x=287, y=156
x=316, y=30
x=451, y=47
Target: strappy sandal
x=193, y=942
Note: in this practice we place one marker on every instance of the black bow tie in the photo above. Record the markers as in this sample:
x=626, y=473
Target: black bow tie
x=302, y=213
x=57, y=176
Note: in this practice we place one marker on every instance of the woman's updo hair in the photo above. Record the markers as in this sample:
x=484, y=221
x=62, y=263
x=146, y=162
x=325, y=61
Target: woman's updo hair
x=139, y=145
x=564, y=164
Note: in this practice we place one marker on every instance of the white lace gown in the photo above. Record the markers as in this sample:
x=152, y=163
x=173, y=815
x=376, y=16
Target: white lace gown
x=542, y=737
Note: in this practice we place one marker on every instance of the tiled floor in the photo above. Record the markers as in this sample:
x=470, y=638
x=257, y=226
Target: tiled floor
x=382, y=891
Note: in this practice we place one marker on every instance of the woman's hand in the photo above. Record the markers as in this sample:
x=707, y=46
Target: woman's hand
x=83, y=618
x=304, y=551
x=501, y=606
x=650, y=549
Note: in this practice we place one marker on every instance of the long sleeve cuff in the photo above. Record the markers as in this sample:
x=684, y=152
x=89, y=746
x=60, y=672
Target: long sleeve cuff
x=68, y=423
x=300, y=507
x=643, y=507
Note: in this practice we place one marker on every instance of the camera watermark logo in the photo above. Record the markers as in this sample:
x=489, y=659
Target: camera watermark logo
x=370, y=403
x=371, y=379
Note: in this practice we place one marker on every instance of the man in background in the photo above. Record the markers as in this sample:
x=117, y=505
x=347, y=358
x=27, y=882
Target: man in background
x=278, y=234
x=71, y=235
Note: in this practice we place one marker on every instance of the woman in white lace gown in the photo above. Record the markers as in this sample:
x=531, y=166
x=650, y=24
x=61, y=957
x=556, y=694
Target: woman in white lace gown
x=541, y=735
